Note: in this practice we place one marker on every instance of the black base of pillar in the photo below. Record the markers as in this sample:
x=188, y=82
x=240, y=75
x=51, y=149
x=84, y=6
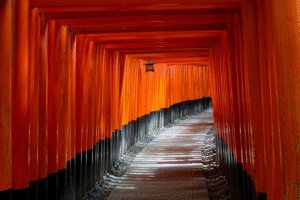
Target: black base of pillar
x=241, y=185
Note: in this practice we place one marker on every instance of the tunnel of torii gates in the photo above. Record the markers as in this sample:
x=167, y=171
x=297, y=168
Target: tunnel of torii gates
x=73, y=78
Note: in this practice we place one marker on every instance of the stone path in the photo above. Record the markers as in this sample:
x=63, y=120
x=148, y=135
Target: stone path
x=171, y=166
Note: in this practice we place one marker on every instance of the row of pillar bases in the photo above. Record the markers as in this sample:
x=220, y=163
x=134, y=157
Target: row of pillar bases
x=88, y=168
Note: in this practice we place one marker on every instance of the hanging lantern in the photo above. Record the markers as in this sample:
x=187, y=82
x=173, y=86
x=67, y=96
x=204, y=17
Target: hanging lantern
x=150, y=66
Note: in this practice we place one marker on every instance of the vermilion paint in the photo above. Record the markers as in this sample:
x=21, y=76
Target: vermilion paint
x=72, y=72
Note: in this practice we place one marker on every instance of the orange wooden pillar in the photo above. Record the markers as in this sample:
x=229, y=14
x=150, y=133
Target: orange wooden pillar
x=64, y=98
x=72, y=88
x=41, y=64
x=52, y=126
x=33, y=97
x=89, y=100
x=79, y=94
x=19, y=115
x=274, y=179
x=285, y=34
x=37, y=97
x=6, y=45
x=252, y=97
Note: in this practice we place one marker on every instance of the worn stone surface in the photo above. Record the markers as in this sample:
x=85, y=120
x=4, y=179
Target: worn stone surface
x=172, y=166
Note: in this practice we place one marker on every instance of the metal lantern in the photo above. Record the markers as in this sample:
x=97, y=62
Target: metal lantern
x=150, y=66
